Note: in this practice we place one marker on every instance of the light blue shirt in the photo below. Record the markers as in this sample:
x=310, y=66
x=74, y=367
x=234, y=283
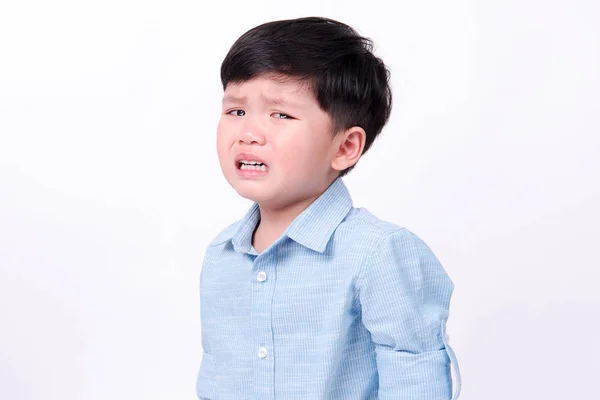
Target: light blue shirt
x=342, y=305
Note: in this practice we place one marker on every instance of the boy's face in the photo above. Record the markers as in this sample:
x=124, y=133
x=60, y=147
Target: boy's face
x=282, y=124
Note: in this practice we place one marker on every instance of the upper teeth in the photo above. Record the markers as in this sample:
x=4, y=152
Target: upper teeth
x=250, y=162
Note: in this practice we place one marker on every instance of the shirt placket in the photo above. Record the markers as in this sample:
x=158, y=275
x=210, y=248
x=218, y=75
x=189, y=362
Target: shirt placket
x=263, y=289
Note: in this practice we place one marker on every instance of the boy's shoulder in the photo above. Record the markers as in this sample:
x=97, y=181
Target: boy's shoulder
x=370, y=223
x=226, y=233
x=363, y=223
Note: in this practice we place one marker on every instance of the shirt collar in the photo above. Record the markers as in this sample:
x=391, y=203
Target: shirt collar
x=312, y=228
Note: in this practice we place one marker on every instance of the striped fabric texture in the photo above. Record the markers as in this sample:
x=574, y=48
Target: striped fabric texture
x=342, y=306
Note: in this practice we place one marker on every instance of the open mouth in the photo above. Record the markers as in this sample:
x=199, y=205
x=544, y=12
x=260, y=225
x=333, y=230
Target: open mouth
x=251, y=166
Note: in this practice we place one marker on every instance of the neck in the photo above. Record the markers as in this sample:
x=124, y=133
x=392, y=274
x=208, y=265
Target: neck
x=274, y=220
x=277, y=220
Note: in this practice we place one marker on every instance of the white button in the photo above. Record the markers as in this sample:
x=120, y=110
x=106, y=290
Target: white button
x=262, y=352
x=261, y=276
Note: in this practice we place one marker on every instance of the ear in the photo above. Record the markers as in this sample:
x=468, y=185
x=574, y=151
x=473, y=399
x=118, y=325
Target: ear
x=348, y=146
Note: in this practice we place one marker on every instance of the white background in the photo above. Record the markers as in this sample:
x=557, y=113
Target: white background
x=110, y=187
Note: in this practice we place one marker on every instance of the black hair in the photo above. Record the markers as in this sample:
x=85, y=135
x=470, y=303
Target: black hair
x=349, y=82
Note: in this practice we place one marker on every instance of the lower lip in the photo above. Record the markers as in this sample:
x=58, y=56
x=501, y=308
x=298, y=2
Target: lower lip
x=249, y=173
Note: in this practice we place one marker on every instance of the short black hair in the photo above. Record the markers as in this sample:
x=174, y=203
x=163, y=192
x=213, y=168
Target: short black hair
x=349, y=82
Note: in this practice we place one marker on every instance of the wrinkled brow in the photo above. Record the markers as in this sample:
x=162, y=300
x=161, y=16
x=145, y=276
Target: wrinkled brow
x=276, y=101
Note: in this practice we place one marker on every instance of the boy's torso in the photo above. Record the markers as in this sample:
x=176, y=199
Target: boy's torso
x=286, y=322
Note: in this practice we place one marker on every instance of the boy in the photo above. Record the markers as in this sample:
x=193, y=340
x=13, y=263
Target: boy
x=307, y=297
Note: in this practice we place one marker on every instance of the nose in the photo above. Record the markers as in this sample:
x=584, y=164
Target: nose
x=251, y=132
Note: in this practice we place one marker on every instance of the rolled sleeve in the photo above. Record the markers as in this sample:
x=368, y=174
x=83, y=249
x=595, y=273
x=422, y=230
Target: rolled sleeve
x=404, y=295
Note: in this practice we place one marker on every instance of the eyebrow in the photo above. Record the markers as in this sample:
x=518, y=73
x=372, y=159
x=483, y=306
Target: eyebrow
x=277, y=101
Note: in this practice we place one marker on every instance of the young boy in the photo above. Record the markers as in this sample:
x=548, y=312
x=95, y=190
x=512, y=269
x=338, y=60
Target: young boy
x=307, y=297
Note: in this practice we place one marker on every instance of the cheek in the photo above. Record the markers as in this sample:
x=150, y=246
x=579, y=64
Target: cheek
x=224, y=140
x=301, y=154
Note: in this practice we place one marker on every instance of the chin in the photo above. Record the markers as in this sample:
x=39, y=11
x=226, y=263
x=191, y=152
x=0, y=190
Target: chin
x=246, y=190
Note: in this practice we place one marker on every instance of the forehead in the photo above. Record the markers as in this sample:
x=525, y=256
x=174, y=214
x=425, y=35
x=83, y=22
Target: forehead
x=275, y=91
